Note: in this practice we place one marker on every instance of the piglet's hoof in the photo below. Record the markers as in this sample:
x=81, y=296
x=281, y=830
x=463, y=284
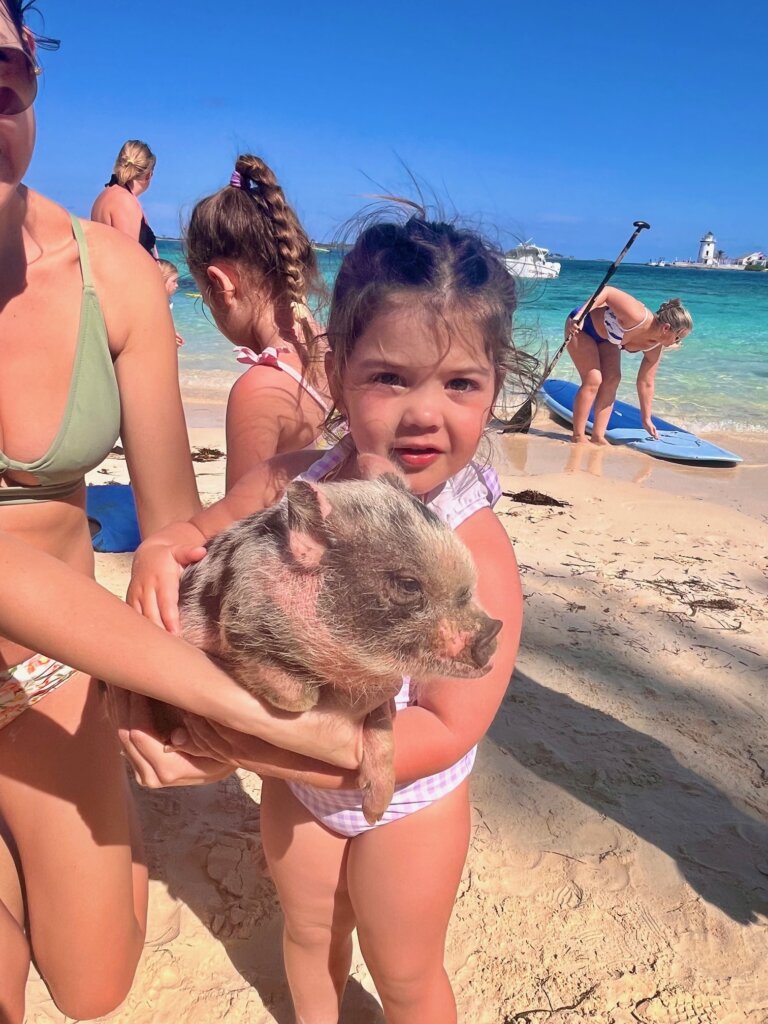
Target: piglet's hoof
x=377, y=796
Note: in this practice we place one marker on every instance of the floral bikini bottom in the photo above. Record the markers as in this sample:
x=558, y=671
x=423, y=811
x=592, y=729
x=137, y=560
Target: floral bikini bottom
x=23, y=685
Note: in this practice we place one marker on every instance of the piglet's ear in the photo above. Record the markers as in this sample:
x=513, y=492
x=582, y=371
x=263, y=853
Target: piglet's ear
x=376, y=467
x=308, y=508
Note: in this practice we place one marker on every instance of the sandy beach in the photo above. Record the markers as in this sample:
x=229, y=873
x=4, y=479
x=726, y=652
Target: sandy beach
x=618, y=869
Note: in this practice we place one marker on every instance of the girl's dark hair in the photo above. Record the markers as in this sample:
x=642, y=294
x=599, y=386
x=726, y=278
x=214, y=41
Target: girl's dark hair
x=444, y=268
x=252, y=225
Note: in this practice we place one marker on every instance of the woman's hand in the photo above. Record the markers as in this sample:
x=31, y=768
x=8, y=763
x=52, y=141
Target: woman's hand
x=157, y=765
x=202, y=739
x=154, y=588
x=648, y=425
x=331, y=737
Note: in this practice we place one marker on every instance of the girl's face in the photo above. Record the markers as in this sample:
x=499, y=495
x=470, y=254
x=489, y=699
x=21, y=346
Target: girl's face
x=17, y=131
x=418, y=390
x=171, y=285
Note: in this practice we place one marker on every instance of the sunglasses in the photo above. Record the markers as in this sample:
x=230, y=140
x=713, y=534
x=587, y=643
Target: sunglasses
x=18, y=81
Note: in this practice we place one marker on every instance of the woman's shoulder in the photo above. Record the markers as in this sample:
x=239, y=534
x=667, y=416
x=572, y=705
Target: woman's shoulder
x=624, y=305
x=115, y=256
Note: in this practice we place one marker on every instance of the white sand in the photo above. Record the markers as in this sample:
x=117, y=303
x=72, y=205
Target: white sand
x=618, y=869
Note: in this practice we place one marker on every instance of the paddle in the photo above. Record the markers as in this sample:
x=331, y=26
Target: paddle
x=521, y=421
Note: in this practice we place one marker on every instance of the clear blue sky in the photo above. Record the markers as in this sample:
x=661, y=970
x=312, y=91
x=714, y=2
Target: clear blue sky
x=561, y=120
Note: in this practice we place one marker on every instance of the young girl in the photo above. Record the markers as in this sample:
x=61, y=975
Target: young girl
x=170, y=274
x=420, y=343
x=254, y=265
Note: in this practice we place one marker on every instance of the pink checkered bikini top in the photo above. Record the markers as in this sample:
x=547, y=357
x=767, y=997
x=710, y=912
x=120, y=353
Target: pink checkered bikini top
x=473, y=488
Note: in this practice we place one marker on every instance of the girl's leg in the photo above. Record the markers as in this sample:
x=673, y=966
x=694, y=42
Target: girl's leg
x=307, y=863
x=64, y=798
x=402, y=881
x=610, y=370
x=584, y=352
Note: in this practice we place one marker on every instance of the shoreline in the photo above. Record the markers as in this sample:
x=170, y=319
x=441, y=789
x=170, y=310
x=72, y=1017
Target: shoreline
x=534, y=454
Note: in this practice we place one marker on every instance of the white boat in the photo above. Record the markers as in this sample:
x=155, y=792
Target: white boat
x=529, y=260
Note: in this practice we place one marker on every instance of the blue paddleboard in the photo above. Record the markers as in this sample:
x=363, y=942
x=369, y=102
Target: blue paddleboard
x=112, y=510
x=626, y=427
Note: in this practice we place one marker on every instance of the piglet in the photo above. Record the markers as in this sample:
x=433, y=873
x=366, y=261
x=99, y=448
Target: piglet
x=333, y=595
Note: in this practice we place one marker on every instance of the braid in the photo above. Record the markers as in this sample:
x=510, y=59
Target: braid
x=292, y=253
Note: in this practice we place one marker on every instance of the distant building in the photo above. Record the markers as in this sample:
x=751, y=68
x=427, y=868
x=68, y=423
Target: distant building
x=707, y=250
x=750, y=258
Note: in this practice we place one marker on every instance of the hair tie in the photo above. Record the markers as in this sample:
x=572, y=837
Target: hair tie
x=238, y=181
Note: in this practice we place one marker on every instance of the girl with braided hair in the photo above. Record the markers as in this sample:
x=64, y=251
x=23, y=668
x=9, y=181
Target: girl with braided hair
x=254, y=265
x=618, y=322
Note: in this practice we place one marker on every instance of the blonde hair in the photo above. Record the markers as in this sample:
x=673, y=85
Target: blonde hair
x=135, y=160
x=167, y=269
x=674, y=314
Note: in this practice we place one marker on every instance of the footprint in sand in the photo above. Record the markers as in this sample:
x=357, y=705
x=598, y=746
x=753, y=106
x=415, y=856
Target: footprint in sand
x=236, y=865
x=607, y=875
x=678, y=1007
x=513, y=872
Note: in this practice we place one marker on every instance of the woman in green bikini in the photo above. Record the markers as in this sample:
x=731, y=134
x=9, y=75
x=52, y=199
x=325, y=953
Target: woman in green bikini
x=82, y=358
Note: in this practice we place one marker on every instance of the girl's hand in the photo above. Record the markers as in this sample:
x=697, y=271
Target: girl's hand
x=648, y=425
x=154, y=587
x=154, y=763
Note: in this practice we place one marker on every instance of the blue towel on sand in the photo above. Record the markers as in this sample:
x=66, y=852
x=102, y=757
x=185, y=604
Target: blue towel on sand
x=112, y=510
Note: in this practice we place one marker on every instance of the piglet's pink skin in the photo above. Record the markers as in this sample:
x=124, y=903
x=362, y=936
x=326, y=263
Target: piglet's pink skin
x=332, y=596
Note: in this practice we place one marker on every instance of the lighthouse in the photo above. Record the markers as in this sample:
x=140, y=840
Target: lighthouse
x=707, y=249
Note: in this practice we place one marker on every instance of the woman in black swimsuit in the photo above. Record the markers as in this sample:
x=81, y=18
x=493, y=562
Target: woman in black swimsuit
x=118, y=204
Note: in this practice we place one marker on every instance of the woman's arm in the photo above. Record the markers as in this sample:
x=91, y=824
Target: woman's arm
x=628, y=309
x=121, y=210
x=143, y=344
x=646, y=384
x=61, y=613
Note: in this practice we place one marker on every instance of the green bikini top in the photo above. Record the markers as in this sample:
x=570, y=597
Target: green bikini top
x=91, y=422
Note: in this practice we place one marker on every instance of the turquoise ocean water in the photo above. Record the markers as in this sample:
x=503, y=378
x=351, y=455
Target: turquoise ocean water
x=718, y=380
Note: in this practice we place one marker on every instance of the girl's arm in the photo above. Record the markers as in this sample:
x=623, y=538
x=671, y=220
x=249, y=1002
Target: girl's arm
x=61, y=613
x=160, y=560
x=454, y=714
x=646, y=383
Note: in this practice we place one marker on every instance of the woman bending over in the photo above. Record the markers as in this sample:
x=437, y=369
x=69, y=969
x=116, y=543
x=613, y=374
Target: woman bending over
x=618, y=322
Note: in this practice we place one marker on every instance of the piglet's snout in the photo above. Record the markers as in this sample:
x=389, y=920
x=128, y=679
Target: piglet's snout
x=484, y=644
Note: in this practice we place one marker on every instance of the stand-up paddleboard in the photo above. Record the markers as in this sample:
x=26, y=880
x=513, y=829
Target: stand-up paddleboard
x=111, y=511
x=626, y=427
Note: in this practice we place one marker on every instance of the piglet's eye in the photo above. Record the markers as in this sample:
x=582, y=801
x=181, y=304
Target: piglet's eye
x=407, y=585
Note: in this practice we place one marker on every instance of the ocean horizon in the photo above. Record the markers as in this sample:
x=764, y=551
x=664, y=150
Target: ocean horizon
x=717, y=381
